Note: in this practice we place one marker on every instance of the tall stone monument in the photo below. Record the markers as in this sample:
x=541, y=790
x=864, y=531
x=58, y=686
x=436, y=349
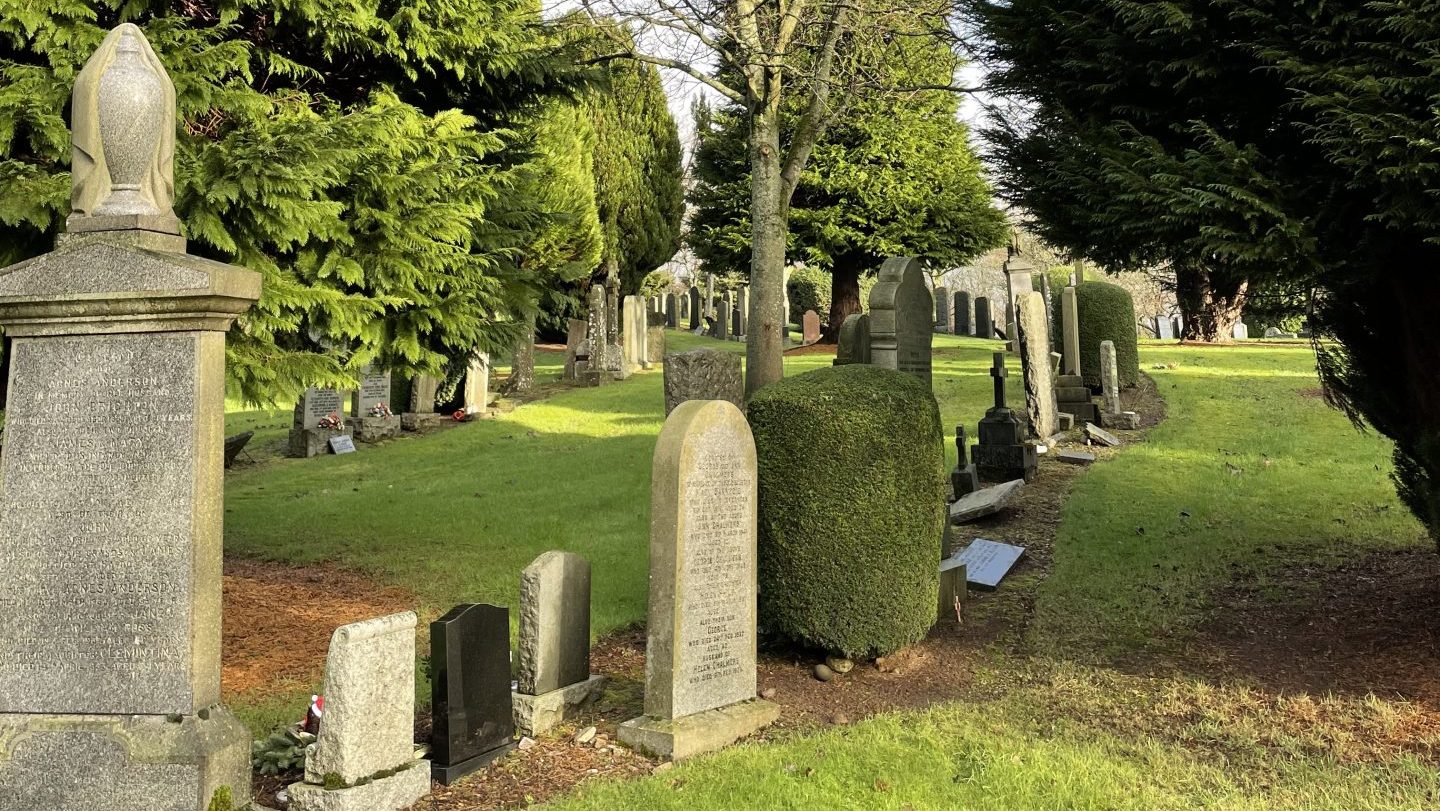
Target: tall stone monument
x=594, y=371
x=1019, y=282
x=1034, y=342
x=1002, y=454
x=635, y=354
x=700, y=653
x=110, y=525
x=741, y=327
x=1070, y=323
x=477, y=385
x=697, y=309
x=901, y=319
x=1113, y=415
x=672, y=311
x=722, y=318
x=1071, y=394
x=611, y=356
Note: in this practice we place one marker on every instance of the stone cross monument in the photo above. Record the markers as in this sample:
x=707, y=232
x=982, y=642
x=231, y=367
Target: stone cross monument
x=110, y=525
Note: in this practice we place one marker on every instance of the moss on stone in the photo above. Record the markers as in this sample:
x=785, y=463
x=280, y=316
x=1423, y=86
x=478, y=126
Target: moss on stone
x=852, y=508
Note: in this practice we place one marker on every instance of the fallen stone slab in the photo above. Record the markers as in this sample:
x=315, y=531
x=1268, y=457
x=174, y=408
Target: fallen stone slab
x=985, y=562
x=985, y=502
x=1104, y=437
x=1075, y=457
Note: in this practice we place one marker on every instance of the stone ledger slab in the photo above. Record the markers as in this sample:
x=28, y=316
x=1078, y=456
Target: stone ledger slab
x=984, y=502
x=987, y=562
x=700, y=650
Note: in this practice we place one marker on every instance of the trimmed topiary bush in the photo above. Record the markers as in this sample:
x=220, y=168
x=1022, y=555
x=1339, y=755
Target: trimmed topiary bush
x=852, y=508
x=1107, y=313
x=810, y=289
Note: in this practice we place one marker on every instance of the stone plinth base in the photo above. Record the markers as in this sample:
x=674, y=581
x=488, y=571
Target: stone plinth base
x=123, y=762
x=1122, y=420
x=1003, y=463
x=374, y=429
x=1084, y=412
x=447, y=773
x=392, y=793
x=538, y=714
x=699, y=733
x=308, y=442
x=420, y=423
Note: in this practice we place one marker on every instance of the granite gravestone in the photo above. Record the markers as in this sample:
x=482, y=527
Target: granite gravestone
x=1002, y=455
x=1070, y=317
x=987, y=562
x=709, y=311
x=1034, y=342
x=471, y=715
x=594, y=371
x=963, y=479
x=737, y=321
x=554, y=663
x=703, y=374
x=421, y=415
x=700, y=652
x=319, y=416
x=110, y=526
x=901, y=313
x=364, y=756
x=854, y=344
x=1240, y=332
x=697, y=310
x=575, y=330
x=654, y=345
x=477, y=385
x=810, y=327
x=942, y=309
x=984, y=322
x=1019, y=282
x=741, y=326
x=1109, y=382
x=613, y=362
x=672, y=311
x=962, y=313
x=636, y=333
x=371, y=418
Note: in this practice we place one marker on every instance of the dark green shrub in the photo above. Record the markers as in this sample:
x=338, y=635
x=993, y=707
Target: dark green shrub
x=852, y=508
x=1107, y=313
x=810, y=289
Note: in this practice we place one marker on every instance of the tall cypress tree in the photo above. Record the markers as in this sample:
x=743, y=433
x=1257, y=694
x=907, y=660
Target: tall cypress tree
x=357, y=157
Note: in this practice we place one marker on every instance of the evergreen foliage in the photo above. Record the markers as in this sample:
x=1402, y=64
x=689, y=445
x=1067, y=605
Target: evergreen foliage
x=852, y=508
x=1106, y=313
x=1292, y=142
x=360, y=159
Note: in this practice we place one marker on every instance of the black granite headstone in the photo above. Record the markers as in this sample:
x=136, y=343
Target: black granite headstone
x=984, y=324
x=470, y=690
x=697, y=314
x=672, y=311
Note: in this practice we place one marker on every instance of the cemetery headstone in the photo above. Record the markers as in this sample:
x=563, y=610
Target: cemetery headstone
x=785, y=312
x=810, y=327
x=371, y=418
x=964, y=479
x=554, y=662
x=636, y=334
x=1164, y=328
x=901, y=319
x=984, y=322
x=700, y=651
x=709, y=295
x=737, y=322
x=421, y=415
x=1070, y=317
x=614, y=363
x=113, y=478
x=854, y=344
x=1019, y=282
x=742, y=314
x=1002, y=455
x=1109, y=378
x=950, y=612
x=697, y=311
x=987, y=562
x=1100, y=436
x=575, y=330
x=703, y=374
x=962, y=313
x=319, y=415
x=654, y=346
x=1034, y=341
x=594, y=371
x=472, y=722
x=672, y=311
x=1178, y=327
x=942, y=309
x=522, y=359
x=1240, y=332
x=364, y=758
x=722, y=318
x=477, y=385
x=342, y=444
x=1075, y=457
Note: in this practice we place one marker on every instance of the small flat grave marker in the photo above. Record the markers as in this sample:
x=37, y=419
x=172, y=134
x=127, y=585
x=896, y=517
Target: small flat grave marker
x=1101, y=435
x=984, y=502
x=342, y=444
x=1075, y=457
x=986, y=562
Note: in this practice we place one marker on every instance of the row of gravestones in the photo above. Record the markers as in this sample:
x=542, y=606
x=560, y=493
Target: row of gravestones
x=321, y=424
x=953, y=314
x=618, y=339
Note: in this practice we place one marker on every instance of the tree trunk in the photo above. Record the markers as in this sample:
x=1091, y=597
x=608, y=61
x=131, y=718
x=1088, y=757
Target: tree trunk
x=764, y=349
x=844, y=297
x=1211, y=304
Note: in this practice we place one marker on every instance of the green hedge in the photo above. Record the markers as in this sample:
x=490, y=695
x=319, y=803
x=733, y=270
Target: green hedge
x=1107, y=313
x=852, y=508
x=809, y=289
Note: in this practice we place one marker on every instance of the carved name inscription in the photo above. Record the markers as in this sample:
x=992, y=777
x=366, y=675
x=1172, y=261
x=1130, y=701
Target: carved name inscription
x=715, y=640
x=374, y=388
x=95, y=524
x=319, y=404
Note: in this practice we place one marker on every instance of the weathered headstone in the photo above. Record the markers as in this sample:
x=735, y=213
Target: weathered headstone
x=700, y=653
x=1109, y=378
x=1177, y=326
x=472, y=722
x=951, y=609
x=522, y=359
x=697, y=310
x=1100, y=436
x=962, y=313
x=110, y=536
x=703, y=374
x=614, y=363
x=554, y=662
x=785, y=312
x=723, y=315
x=1075, y=457
x=477, y=385
x=636, y=334
x=319, y=415
x=964, y=479
x=737, y=323
x=810, y=327
x=1002, y=455
x=942, y=309
x=672, y=311
x=654, y=346
x=1070, y=318
x=575, y=330
x=741, y=327
x=987, y=562
x=421, y=414
x=364, y=758
x=1034, y=341
x=594, y=371
x=1240, y=332
x=984, y=322
x=1019, y=282
x=901, y=313
x=854, y=343
x=709, y=295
